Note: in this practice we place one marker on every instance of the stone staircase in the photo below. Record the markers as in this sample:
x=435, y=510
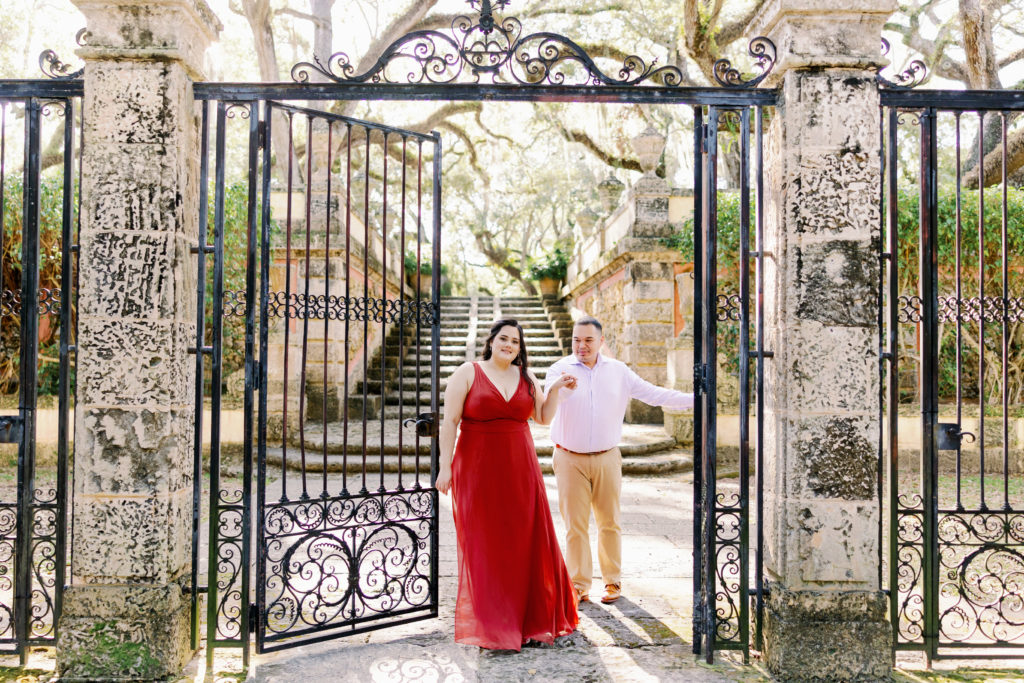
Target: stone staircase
x=465, y=324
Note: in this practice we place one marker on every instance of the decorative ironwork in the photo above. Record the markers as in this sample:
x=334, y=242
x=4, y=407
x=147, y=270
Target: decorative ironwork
x=229, y=557
x=44, y=553
x=971, y=309
x=909, y=563
x=8, y=543
x=331, y=561
x=729, y=307
x=728, y=557
x=762, y=50
x=52, y=66
x=355, y=308
x=49, y=302
x=10, y=302
x=909, y=308
x=914, y=75
x=981, y=577
x=233, y=303
x=497, y=50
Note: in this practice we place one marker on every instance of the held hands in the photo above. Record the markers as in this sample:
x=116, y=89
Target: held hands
x=444, y=480
x=565, y=381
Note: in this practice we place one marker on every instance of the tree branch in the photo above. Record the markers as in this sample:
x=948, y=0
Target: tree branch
x=994, y=162
x=591, y=145
x=302, y=15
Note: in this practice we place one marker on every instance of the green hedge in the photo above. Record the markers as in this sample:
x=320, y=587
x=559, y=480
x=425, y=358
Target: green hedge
x=51, y=204
x=907, y=269
x=50, y=245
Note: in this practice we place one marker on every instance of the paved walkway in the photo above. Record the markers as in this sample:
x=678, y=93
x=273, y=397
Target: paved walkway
x=644, y=637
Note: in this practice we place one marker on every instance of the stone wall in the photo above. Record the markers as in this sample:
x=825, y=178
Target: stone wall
x=625, y=277
x=341, y=362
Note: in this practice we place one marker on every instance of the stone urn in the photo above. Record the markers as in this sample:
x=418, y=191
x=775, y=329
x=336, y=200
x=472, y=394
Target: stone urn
x=609, y=190
x=587, y=219
x=648, y=147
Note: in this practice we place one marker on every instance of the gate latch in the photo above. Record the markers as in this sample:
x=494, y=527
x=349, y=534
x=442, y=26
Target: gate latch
x=425, y=424
x=950, y=437
x=10, y=428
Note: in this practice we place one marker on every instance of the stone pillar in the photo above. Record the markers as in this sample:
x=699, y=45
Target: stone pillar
x=825, y=613
x=649, y=289
x=126, y=615
x=680, y=361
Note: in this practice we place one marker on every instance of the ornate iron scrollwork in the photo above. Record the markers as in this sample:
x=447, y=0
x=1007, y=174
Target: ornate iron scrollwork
x=496, y=49
x=762, y=50
x=52, y=66
x=914, y=75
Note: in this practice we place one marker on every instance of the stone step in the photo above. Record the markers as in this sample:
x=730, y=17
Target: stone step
x=540, y=371
x=661, y=463
x=637, y=440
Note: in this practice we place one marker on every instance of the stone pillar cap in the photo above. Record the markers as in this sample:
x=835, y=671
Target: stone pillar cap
x=823, y=33
x=178, y=30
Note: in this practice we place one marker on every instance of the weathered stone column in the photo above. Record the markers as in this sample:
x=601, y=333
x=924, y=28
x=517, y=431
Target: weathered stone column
x=126, y=615
x=826, y=613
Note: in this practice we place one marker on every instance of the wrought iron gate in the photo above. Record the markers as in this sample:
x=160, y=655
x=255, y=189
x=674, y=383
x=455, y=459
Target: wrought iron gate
x=38, y=236
x=723, y=324
x=358, y=550
x=334, y=333
x=953, y=297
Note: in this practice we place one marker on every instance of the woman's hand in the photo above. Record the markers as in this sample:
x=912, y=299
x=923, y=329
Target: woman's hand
x=444, y=480
x=565, y=381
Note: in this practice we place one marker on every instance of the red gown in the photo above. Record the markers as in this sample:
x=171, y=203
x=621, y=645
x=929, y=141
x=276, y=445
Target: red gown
x=513, y=584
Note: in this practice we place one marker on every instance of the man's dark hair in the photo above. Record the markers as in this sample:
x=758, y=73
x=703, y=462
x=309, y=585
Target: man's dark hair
x=590, y=320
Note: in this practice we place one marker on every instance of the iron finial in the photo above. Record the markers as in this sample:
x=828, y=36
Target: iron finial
x=487, y=11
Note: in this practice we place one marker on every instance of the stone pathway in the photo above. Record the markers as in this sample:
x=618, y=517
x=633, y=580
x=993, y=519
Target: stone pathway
x=644, y=637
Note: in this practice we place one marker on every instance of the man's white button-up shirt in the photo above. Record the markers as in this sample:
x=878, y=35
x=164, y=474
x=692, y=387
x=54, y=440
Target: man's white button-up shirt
x=589, y=418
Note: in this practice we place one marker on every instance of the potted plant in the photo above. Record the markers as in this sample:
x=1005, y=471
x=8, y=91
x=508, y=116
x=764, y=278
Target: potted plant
x=425, y=276
x=549, y=271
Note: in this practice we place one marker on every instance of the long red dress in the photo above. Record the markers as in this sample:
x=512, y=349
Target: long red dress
x=513, y=584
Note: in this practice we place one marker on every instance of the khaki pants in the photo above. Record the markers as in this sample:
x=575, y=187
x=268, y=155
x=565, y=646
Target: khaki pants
x=588, y=482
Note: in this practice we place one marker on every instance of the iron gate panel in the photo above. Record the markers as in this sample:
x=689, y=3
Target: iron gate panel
x=952, y=295
x=723, y=323
x=340, y=312
x=38, y=232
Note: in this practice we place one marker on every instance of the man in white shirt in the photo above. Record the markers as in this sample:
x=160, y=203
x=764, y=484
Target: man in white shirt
x=588, y=464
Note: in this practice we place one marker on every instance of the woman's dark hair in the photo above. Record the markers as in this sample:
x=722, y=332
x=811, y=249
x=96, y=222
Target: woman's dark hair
x=522, y=360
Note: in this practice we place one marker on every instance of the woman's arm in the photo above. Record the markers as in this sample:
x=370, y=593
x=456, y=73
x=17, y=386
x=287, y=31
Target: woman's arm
x=546, y=406
x=454, y=400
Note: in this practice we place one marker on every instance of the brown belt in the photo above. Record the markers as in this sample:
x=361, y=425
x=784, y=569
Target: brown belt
x=563, y=448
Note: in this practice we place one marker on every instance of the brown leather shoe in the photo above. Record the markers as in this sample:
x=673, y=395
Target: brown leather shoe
x=581, y=596
x=612, y=592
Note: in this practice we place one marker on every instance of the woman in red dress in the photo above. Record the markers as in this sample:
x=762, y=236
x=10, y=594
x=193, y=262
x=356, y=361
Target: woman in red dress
x=513, y=584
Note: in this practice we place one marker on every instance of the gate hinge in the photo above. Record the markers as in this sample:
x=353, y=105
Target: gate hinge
x=261, y=133
x=11, y=427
